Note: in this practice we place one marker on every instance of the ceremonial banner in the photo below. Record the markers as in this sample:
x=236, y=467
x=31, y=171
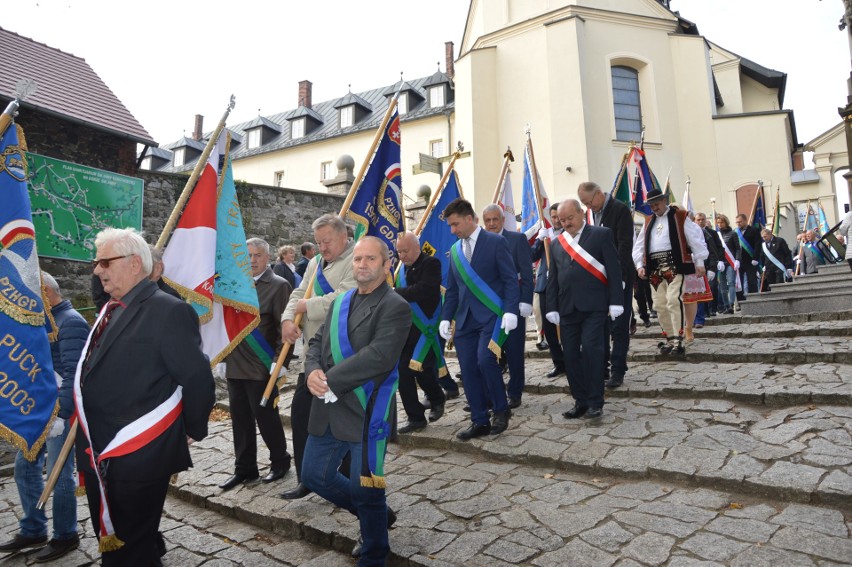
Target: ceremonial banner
x=376, y=207
x=823, y=221
x=776, y=215
x=531, y=219
x=435, y=237
x=645, y=181
x=28, y=388
x=811, y=222
x=621, y=188
x=219, y=285
x=758, y=215
x=687, y=200
x=507, y=203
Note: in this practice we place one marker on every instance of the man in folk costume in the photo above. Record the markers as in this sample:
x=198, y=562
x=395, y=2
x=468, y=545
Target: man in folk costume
x=419, y=283
x=351, y=366
x=482, y=296
x=247, y=371
x=777, y=259
x=583, y=286
x=142, y=388
x=519, y=248
x=669, y=246
x=333, y=269
x=618, y=218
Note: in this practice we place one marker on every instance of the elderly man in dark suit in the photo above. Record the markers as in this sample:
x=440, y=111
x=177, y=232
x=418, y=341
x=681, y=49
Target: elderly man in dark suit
x=142, y=374
x=482, y=296
x=583, y=287
x=519, y=248
x=351, y=368
x=776, y=259
x=617, y=217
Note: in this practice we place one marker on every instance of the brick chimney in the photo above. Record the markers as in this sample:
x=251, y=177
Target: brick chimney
x=305, y=93
x=451, y=69
x=199, y=128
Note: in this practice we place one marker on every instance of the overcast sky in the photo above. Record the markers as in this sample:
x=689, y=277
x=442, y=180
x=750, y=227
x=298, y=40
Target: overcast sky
x=170, y=60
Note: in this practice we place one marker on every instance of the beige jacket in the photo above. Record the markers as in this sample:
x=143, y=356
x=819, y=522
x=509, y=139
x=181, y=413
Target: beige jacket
x=340, y=277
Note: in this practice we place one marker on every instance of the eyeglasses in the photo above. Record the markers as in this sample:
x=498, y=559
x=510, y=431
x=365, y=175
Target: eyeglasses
x=104, y=262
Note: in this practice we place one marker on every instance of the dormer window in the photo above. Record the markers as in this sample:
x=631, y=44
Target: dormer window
x=436, y=96
x=297, y=128
x=402, y=103
x=255, y=138
x=180, y=157
x=146, y=163
x=347, y=116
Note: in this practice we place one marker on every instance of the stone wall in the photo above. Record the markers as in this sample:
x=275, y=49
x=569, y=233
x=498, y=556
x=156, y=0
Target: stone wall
x=278, y=215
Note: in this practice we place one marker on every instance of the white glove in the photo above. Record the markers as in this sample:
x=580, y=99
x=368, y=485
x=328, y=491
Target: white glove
x=329, y=397
x=509, y=322
x=444, y=330
x=615, y=311
x=754, y=262
x=545, y=233
x=525, y=309
x=711, y=276
x=57, y=428
x=280, y=372
x=720, y=266
x=736, y=264
x=553, y=317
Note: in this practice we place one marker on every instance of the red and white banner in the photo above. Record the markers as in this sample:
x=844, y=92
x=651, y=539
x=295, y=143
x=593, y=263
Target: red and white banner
x=507, y=203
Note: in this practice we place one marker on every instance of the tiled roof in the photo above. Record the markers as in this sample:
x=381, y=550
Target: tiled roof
x=261, y=121
x=330, y=126
x=67, y=87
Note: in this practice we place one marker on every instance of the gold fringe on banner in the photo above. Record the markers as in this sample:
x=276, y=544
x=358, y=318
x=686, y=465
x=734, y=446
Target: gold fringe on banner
x=495, y=348
x=373, y=481
x=110, y=543
x=416, y=366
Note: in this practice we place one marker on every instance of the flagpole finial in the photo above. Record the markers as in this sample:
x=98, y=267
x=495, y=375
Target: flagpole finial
x=760, y=183
x=713, y=200
x=527, y=129
x=232, y=103
x=509, y=154
x=459, y=147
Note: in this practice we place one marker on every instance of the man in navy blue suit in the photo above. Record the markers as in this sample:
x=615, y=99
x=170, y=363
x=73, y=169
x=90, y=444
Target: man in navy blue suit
x=583, y=287
x=519, y=248
x=482, y=296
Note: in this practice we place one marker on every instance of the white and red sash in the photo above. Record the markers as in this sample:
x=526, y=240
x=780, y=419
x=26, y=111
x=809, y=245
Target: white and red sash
x=579, y=254
x=129, y=438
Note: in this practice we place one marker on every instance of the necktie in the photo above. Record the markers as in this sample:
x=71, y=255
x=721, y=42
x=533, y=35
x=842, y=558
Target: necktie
x=468, y=252
x=102, y=324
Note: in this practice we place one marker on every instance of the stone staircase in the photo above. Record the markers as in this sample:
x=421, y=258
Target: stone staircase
x=830, y=289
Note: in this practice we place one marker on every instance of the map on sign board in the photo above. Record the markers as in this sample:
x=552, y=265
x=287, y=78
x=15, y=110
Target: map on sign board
x=71, y=203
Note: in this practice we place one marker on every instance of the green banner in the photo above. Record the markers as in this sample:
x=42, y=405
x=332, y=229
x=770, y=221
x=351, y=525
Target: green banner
x=71, y=203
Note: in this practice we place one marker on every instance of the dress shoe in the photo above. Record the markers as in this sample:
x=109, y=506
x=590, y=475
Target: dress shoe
x=458, y=375
x=514, y=402
x=632, y=327
x=237, y=480
x=22, y=542
x=56, y=548
x=474, y=431
x=542, y=345
x=299, y=492
x=436, y=412
x=500, y=422
x=594, y=412
x=452, y=394
x=666, y=347
x=555, y=372
x=646, y=323
x=575, y=412
x=275, y=474
x=466, y=408
x=653, y=314
x=615, y=381
x=426, y=404
x=413, y=426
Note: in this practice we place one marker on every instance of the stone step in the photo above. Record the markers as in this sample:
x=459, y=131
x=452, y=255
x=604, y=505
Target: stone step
x=812, y=289
x=839, y=299
x=836, y=328
x=838, y=278
x=477, y=505
x=738, y=318
x=831, y=269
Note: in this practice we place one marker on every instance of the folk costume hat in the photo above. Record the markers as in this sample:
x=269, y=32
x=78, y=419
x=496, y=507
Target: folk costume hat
x=654, y=195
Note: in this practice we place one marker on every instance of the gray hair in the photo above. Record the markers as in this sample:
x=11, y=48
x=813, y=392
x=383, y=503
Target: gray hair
x=156, y=254
x=589, y=187
x=259, y=243
x=385, y=251
x=50, y=282
x=127, y=242
x=492, y=208
x=333, y=221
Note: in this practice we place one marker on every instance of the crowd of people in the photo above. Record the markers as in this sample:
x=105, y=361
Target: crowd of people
x=142, y=389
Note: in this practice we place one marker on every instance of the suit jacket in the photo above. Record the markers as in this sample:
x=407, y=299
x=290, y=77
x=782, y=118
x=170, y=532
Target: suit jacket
x=302, y=265
x=423, y=286
x=273, y=292
x=752, y=236
x=571, y=287
x=538, y=255
x=714, y=248
x=378, y=327
x=519, y=248
x=493, y=262
x=282, y=270
x=778, y=248
x=618, y=218
x=145, y=354
x=810, y=259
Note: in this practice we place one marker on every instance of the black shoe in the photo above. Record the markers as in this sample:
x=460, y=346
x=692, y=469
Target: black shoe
x=594, y=412
x=466, y=408
x=575, y=412
x=615, y=381
x=426, y=404
x=458, y=375
x=238, y=479
x=646, y=323
x=22, y=542
x=542, y=345
x=555, y=372
x=413, y=426
x=452, y=394
x=275, y=474
x=436, y=412
x=514, y=402
x=500, y=422
x=653, y=314
x=56, y=548
x=356, y=549
x=299, y=492
x=665, y=347
x=474, y=431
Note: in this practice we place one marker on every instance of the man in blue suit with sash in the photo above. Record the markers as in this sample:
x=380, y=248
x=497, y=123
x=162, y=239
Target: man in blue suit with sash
x=482, y=296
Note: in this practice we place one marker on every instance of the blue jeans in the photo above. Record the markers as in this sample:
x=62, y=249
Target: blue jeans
x=728, y=287
x=28, y=478
x=700, y=313
x=323, y=455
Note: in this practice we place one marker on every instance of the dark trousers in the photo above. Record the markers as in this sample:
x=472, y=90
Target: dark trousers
x=447, y=382
x=643, y=298
x=550, y=335
x=619, y=334
x=714, y=289
x=300, y=414
x=481, y=374
x=135, y=508
x=748, y=275
x=427, y=379
x=244, y=397
x=514, y=348
x=586, y=331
